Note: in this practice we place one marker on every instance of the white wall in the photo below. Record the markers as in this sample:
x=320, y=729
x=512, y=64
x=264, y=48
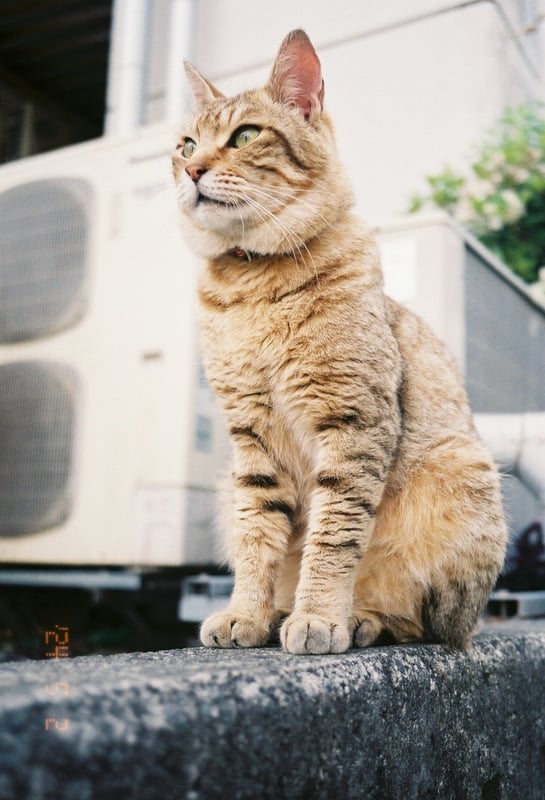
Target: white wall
x=539, y=35
x=412, y=84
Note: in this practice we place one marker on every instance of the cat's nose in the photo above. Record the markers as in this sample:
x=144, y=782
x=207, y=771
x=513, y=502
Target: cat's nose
x=195, y=171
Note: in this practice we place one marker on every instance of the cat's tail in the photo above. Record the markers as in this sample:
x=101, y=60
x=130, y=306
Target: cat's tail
x=459, y=590
x=436, y=549
x=451, y=611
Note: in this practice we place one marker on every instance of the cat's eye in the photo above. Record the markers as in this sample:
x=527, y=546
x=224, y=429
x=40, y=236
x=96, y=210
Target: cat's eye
x=188, y=148
x=244, y=135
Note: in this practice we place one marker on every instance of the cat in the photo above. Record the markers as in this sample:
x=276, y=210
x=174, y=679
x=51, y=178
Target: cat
x=362, y=506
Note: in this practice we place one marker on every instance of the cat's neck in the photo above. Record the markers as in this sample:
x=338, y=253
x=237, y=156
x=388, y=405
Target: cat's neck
x=346, y=248
x=320, y=242
x=272, y=235
x=245, y=255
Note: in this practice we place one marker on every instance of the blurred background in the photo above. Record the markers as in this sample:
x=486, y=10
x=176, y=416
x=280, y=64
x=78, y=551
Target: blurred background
x=110, y=441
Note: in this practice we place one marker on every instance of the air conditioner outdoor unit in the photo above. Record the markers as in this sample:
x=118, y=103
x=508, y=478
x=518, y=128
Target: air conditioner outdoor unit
x=109, y=439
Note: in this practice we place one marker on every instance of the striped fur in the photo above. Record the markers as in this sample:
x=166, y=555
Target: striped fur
x=362, y=505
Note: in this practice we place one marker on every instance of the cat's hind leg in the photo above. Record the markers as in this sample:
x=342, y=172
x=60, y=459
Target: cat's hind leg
x=373, y=628
x=436, y=549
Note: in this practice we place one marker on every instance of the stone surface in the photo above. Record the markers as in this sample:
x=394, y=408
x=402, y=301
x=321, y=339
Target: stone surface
x=392, y=723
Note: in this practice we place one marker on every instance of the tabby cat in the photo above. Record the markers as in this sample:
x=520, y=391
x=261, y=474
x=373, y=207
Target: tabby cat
x=362, y=505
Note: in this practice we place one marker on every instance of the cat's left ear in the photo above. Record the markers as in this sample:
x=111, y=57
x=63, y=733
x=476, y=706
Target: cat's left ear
x=296, y=76
x=203, y=91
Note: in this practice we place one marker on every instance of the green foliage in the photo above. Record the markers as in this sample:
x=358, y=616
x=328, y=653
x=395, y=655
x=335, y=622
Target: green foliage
x=502, y=201
x=445, y=189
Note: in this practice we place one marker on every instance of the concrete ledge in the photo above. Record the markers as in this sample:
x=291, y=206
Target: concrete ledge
x=391, y=723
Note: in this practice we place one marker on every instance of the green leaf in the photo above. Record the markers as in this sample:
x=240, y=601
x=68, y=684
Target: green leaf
x=512, y=156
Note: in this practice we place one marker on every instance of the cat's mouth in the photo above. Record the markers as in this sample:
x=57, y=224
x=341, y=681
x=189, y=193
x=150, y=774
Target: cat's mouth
x=206, y=200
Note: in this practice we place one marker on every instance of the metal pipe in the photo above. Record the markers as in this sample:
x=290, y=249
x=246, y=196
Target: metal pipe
x=517, y=442
x=180, y=46
x=127, y=66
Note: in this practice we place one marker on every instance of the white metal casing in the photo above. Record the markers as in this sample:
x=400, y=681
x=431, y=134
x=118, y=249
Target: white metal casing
x=149, y=442
x=423, y=263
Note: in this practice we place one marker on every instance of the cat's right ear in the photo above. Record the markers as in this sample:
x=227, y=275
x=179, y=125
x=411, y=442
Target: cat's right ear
x=203, y=91
x=296, y=76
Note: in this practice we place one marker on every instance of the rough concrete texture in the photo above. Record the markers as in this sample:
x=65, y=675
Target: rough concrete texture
x=392, y=723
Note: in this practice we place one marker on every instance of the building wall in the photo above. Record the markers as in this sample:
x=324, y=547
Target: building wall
x=411, y=86
x=505, y=363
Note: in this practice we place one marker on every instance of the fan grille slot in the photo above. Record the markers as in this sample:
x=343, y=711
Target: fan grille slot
x=37, y=430
x=44, y=232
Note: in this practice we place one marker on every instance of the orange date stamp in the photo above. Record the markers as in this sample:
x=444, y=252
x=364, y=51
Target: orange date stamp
x=57, y=645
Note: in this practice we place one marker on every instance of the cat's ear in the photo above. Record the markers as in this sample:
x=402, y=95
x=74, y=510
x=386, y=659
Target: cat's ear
x=203, y=91
x=296, y=76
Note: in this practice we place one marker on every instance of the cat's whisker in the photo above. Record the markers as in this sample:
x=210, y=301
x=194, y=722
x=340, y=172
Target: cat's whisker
x=290, y=195
x=296, y=242
x=241, y=216
x=299, y=244
x=265, y=215
x=266, y=195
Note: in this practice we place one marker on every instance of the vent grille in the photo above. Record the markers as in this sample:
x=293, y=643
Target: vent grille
x=44, y=231
x=37, y=427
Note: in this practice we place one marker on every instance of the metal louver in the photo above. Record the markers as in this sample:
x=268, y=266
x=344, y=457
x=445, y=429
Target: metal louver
x=37, y=427
x=44, y=229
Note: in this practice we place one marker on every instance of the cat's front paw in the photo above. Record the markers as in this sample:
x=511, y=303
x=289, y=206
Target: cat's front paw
x=233, y=630
x=305, y=633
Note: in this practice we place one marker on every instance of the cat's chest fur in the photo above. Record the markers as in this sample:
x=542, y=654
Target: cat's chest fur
x=291, y=351
x=262, y=322
x=255, y=333
x=328, y=302
x=250, y=344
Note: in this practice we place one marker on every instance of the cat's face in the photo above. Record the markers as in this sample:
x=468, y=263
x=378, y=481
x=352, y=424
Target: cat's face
x=259, y=171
